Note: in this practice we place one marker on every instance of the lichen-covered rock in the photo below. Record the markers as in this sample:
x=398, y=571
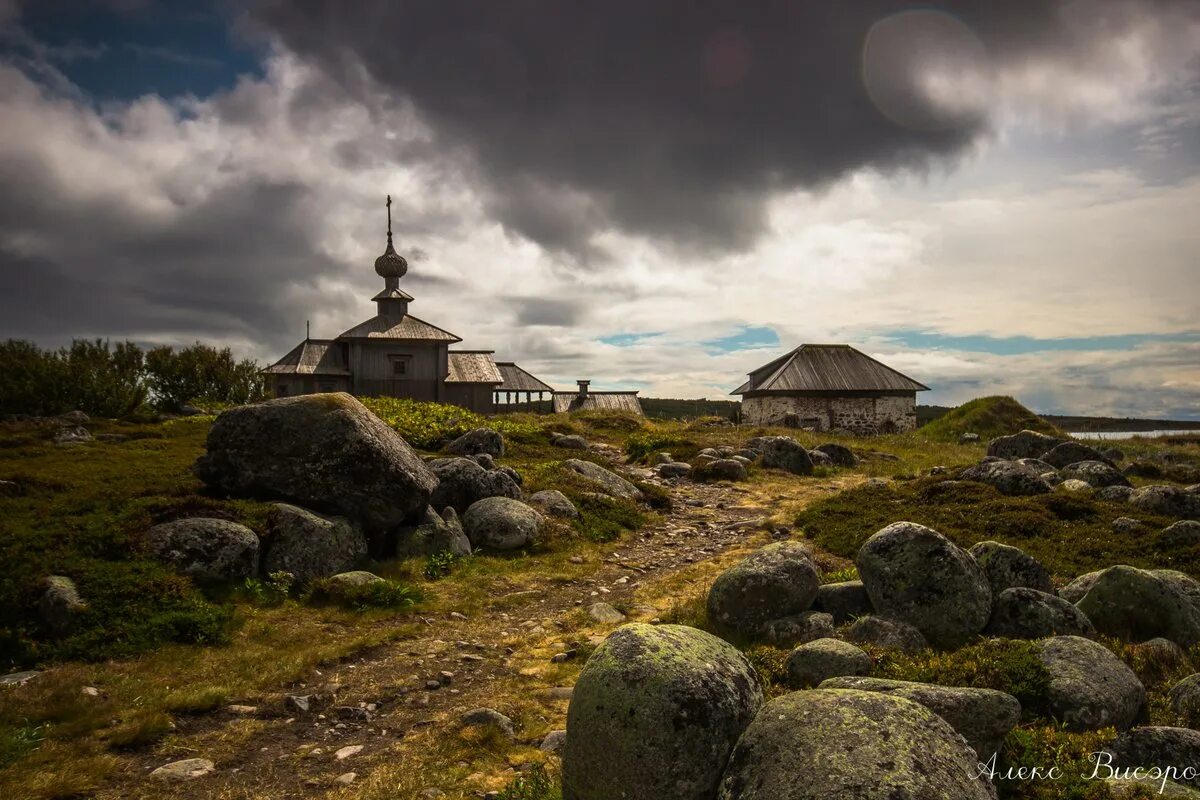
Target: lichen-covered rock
x=483, y=460
x=321, y=451
x=1008, y=477
x=913, y=573
x=1159, y=746
x=59, y=605
x=1074, y=591
x=72, y=435
x=1072, y=452
x=501, y=523
x=1090, y=688
x=1114, y=494
x=1128, y=526
x=208, y=550
x=820, y=659
x=839, y=454
x=655, y=713
x=674, y=469
x=569, y=441
x=790, y=631
x=1073, y=485
x=968, y=438
x=1037, y=465
x=604, y=480
x=1184, y=698
x=480, y=440
x=1166, y=501
x=785, y=453
x=1137, y=605
x=889, y=633
x=1096, y=474
x=187, y=769
x=434, y=534
x=820, y=459
x=850, y=745
x=1026, y=444
x=845, y=600
x=554, y=503
x=777, y=581
x=1184, y=533
x=1022, y=613
x=1006, y=567
x=462, y=482
x=723, y=469
x=309, y=545
x=982, y=716
x=1141, y=788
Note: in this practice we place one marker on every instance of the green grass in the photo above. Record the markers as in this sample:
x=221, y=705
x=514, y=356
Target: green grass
x=989, y=417
x=431, y=426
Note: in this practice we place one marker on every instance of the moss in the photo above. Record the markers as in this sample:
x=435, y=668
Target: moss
x=1047, y=746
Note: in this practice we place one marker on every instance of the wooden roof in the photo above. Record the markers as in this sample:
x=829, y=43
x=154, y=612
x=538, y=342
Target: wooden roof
x=597, y=401
x=827, y=368
x=518, y=380
x=407, y=327
x=473, y=366
x=312, y=357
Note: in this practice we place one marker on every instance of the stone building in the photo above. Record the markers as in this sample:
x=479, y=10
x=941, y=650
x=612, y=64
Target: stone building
x=395, y=354
x=830, y=387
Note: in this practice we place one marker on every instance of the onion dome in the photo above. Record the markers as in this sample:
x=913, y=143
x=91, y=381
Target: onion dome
x=391, y=264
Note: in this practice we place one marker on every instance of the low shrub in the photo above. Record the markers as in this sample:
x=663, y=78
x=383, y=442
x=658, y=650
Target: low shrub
x=377, y=594
x=640, y=446
x=431, y=426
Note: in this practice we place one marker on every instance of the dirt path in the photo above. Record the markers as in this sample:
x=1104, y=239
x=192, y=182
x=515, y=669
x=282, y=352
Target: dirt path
x=400, y=703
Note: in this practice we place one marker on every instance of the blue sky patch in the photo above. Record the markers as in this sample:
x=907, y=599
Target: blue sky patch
x=748, y=337
x=628, y=339
x=1018, y=345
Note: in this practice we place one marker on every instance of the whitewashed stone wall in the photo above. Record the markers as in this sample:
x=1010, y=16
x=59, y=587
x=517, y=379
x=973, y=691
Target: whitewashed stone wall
x=862, y=415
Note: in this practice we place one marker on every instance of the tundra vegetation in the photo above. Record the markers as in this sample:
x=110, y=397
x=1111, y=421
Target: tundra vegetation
x=156, y=667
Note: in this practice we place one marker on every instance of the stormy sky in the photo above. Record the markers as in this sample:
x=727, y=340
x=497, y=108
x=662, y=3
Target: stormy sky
x=655, y=194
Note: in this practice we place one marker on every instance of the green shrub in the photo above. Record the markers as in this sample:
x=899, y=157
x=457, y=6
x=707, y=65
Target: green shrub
x=642, y=445
x=534, y=785
x=176, y=377
x=273, y=591
x=438, y=565
x=1047, y=746
x=17, y=741
x=377, y=594
x=1010, y=666
x=431, y=426
x=92, y=376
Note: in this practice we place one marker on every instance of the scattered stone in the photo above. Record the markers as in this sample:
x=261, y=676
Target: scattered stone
x=1114, y=494
x=1136, y=605
x=605, y=613
x=18, y=678
x=185, y=770
x=346, y=752
x=240, y=710
x=208, y=550
x=604, y=480
x=554, y=503
x=785, y=453
x=884, y=632
x=1008, y=477
x=72, y=435
x=462, y=482
x=723, y=469
x=1075, y=486
x=1166, y=501
x=817, y=660
x=1184, y=698
x=655, y=713
x=1097, y=474
x=1026, y=444
x=488, y=717
x=1184, y=533
x=845, y=601
x=433, y=535
x=1090, y=688
x=501, y=523
x=674, y=469
x=968, y=438
x=309, y=545
x=839, y=454
x=806, y=626
x=553, y=742
x=1128, y=526
x=570, y=442
x=92, y=691
x=1006, y=567
x=59, y=605
x=480, y=440
x=345, y=779
x=298, y=703
x=1157, y=746
x=1023, y=613
x=1072, y=452
x=777, y=581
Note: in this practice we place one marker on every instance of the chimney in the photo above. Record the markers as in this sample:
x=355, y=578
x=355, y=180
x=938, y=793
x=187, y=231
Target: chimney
x=583, y=388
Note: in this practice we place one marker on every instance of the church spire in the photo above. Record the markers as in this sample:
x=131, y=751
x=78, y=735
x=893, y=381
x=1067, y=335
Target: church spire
x=391, y=266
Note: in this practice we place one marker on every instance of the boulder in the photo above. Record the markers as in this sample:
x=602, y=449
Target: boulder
x=968, y=438
x=1026, y=444
x=1157, y=746
x=841, y=455
x=655, y=713
x=806, y=626
x=724, y=469
x=570, y=442
x=71, y=435
x=338, y=586
x=1072, y=452
x=554, y=503
x=777, y=581
x=1096, y=474
x=785, y=453
x=884, y=632
x=815, y=661
x=1184, y=698
x=1166, y=501
x=320, y=451
x=605, y=613
x=662, y=458
x=1114, y=494
x=208, y=550
x=1184, y=583
x=512, y=474
x=1037, y=465
x=483, y=460
x=1022, y=613
x=674, y=469
x=981, y=716
x=1090, y=688
x=487, y=718
x=1074, y=591
x=604, y=480
x=309, y=545
x=1073, y=485
x=501, y=523
x=820, y=459
x=480, y=440
x=850, y=745
x=1184, y=533
x=59, y=605
x=1136, y=605
x=462, y=482
x=913, y=573
x=184, y=770
x=1128, y=526
x=433, y=535
x=845, y=601
x=1006, y=566
x=1008, y=477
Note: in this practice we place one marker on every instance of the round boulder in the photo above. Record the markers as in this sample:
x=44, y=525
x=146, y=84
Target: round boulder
x=554, y=503
x=1159, y=746
x=1006, y=566
x=603, y=480
x=674, y=469
x=818, y=660
x=569, y=442
x=655, y=713
x=433, y=535
x=462, y=482
x=785, y=453
x=501, y=523
x=1072, y=452
x=1022, y=613
x=790, y=631
x=844, y=601
x=1008, y=477
x=1114, y=494
x=309, y=545
x=890, y=633
x=850, y=745
x=723, y=469
x=1136, y=605
x=777, y=581
x=1090, y=688
x=1184, y=698
x=208, y=550
x=1074, y=591
x=1166, y=501
x=913, y=573
x=1026, y=444
x=480, y=440
x=1096, y=474
x=1184, y=533
x=841, y=455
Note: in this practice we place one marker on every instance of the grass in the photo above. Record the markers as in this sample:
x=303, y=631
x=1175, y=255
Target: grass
x=989, y=417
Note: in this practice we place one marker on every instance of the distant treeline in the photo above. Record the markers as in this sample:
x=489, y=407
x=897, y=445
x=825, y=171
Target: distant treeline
x=927, y=414
x=120, y=380
x=659, y=408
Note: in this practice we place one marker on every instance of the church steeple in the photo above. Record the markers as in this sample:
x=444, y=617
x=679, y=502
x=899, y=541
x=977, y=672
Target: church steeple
x=391, y=266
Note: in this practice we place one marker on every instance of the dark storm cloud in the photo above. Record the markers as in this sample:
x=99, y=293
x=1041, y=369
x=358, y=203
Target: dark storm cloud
x=670, y=118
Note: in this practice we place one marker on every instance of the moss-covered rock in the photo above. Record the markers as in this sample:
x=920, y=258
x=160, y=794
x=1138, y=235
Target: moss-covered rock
x=785, y=453
x=207, y=550
x=310, y=545
x=655, y=713
x=1090, y=688
x=845, y=601
x=1024, y=444
x=501, y=523
x=1159, y=746
x=818, y=660
x=887, y=633
x=1021, y=613
x=1006, y=566
x=1096, y=474
x=1136, y=605
x=776, y=581
x=1008, y=477
x=604, y=480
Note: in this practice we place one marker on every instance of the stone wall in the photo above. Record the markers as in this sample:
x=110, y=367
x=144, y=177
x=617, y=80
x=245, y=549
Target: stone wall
x=861, y=415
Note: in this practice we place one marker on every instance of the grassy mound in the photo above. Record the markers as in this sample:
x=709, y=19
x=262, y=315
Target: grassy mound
x=989, y=417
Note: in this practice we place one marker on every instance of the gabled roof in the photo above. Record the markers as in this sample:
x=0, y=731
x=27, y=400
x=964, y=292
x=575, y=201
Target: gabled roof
x=827, y=368
x=518, y=380
x=597, y=401
x=407, y=327
x=473, y=366
x=311, y=357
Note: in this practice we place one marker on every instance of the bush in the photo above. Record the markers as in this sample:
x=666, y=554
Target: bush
x=201, y=372
x=92, y=376
x=1005, y=665
x=641, y=445
x=377, y=594
x=536, y=785
x=431, y=426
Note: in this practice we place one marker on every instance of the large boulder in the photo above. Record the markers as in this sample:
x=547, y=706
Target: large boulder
x=309, y=545
x=723, y=469
x=1096, y=474
x=820, y=659
x=1026, y=444
x=1157, y=746
x=673, y=469
x=850, y=745
x=501, y=523
x=1184, y=533
x=1006, y=566
x=462, y=482
x=320, y=451
x=480, y=440
x=913, y=573
x=1137, y=605
x=1022, y=613
x=1072, y=452
x=785, y=453
x=655, y=713
x=433, y=535
x=982, y=716
x=839, y=454
x=887, y=633
x=807, y=626
x=844, y=601
x=59, y=605
x=1114, y=494
x=1008, y=477
x=1090, y=688
x=1166, y=501
x=777, y=581
x=603, y=480
x=1074, y=591
x=1184, y=698
x=554, y=503
x=1185, y=584
x=208, y=550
